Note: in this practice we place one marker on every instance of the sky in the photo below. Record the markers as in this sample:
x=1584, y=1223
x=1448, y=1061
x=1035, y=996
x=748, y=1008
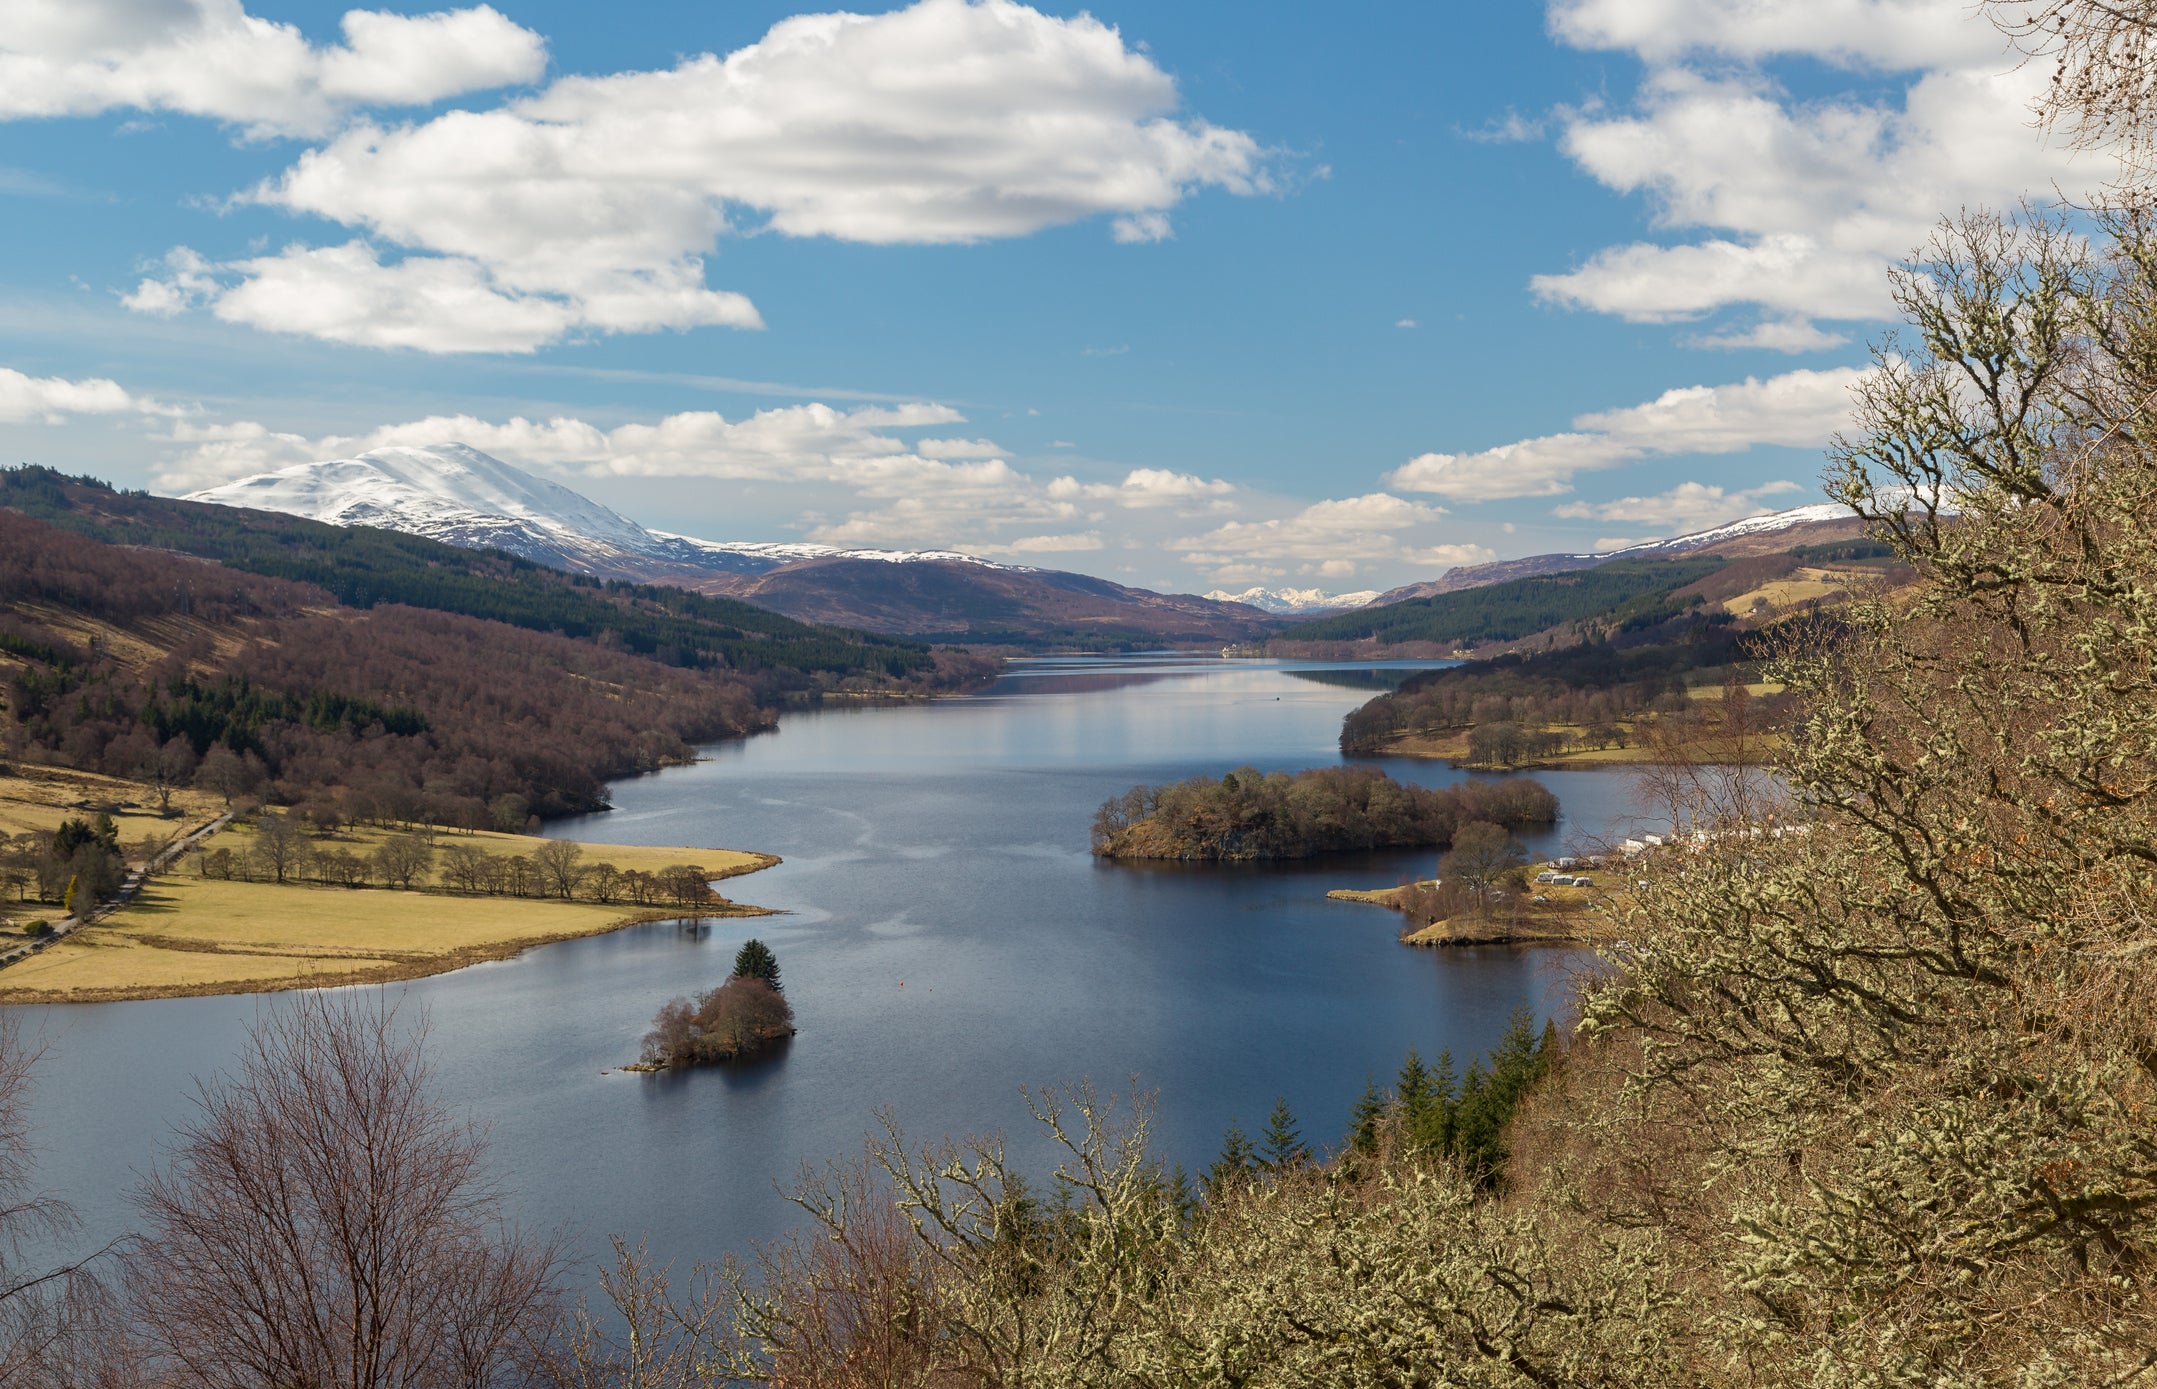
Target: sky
x=1191, y=296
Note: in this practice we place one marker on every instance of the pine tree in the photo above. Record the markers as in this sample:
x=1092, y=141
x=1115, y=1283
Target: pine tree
x=1431, y=1128
x=755, y=961
x=1412, y=1091
x=1232, y=1169
x=1283, y=1146
x=1364, y=1119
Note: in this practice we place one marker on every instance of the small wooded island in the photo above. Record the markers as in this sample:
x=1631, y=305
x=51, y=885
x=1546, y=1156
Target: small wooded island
x=733, y=1022
x=1249, y=814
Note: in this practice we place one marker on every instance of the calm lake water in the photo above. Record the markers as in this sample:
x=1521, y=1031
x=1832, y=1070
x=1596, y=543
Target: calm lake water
x=947, y=941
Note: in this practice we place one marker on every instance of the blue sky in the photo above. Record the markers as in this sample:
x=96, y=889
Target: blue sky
x=1192, y=296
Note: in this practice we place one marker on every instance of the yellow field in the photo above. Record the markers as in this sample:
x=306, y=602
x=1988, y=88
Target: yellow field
x=191, y=935
x=39, y=798
x=187, y=934
x=1452, y=745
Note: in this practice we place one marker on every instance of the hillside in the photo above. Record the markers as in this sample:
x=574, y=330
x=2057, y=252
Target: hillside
x=362, y=567
x=455, y=494
x=146, y=662
x=1616, y=593
x=962, y=601
x=1766, y=534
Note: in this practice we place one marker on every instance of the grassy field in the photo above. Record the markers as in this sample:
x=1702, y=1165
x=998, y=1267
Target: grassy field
x=1452, y=745
x=188, y=934
x=39, y=798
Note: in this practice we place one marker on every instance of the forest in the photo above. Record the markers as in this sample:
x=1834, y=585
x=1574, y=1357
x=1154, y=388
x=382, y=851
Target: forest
x=267, y=689
x=1633, y=592
x=1248, y=814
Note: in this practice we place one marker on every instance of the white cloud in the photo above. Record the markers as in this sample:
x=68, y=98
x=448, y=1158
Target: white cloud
x=589, y=207
x=432, y=303
x=211, y=58
x=1797, y=409
x=1541, y=467
x=1882, y=34
x=28, y=399
x=898, y=494
x=1797, y=206
x=1047, y=545
x=1332, y=538
x=1512, y=129
x=1793, y=334
x=1404, y=323
x=1148, y=489
x=1690, y=506
x=958, y=448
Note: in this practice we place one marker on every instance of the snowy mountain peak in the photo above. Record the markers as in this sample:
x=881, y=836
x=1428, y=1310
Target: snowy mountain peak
x=450, y=492
x=1751, y=525
x=1294, y=600
x=454, y=493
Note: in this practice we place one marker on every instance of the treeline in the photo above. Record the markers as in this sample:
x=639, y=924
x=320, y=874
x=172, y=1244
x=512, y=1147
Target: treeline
x=1596, y=686
x=74, y=867
x=1248, y=814
x=284, y=849
x=1616, y=595
x=361, y=567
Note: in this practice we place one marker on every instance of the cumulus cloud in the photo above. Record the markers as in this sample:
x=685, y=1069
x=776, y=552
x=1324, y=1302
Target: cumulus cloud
x=28, y=399
x=1047, y=545
x=1690, y=506
x=432, y=303
x=1150, y=489
x=793, y=443
x=589, y=207
x=211, y=58
x=1796, y=205
x=1797, y=409
x=898, y=494
x=1331, y=539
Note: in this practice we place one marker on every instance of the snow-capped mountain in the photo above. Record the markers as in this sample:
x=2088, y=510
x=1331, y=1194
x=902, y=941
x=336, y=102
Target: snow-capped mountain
x=447, y=492
x=1765, y=524
x=458, y=495
x=1295, y=600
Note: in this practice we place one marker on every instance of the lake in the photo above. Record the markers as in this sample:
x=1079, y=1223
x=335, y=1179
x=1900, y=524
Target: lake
x=947, y=941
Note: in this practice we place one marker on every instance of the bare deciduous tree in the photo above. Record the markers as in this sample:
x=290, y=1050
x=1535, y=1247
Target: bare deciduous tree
x=652, y=1340
x=556, y=862
x=324, y=1221
x=2104, y=74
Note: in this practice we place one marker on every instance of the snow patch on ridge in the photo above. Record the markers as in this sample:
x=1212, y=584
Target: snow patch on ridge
x=454, y=493
x=1294, y=600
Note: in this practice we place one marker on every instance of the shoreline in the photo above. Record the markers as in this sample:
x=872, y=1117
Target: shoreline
x=248, y=956
x=417, y=968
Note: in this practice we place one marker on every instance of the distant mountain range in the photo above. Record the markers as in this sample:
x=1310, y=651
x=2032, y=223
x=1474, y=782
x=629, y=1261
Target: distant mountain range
x=456, y=494
x=1771, y=533
x=1300, y=602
